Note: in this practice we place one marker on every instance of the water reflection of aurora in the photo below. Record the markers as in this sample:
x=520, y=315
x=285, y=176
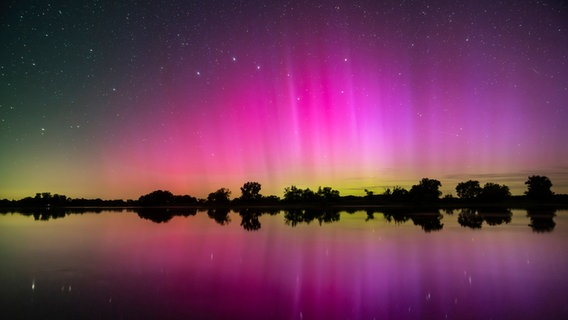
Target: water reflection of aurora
x=111, y=264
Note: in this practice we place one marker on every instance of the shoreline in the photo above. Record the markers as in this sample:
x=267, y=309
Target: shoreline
x=299, y=206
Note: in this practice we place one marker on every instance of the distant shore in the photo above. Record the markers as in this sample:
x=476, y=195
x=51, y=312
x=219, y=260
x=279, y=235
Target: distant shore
x=425, y=195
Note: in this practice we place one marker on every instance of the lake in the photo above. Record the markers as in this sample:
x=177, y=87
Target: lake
x=461, y=264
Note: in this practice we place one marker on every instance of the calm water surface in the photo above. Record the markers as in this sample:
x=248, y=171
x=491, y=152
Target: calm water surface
x=115, y=265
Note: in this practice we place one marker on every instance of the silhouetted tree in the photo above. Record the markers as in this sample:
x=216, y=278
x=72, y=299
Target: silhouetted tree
x=308, y=195
x=45, y=199
x=293, y=194
x=399, y=194
x=156, y=198
x=274, y=200
x=539, y=188
x=220, y=196
x=327, y=194
x=184, y=200
x=43, y=195
x=468, y=190
x=493, y=192
x=250, y=191
x=427, y=190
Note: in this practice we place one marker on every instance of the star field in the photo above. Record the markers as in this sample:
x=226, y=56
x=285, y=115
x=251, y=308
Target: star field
x=114, y=100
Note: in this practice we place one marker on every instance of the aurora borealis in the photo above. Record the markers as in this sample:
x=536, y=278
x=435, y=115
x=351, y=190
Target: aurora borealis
x=116, y=99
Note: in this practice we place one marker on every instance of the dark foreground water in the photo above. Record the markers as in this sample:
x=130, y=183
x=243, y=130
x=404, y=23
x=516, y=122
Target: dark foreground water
x=360, y=265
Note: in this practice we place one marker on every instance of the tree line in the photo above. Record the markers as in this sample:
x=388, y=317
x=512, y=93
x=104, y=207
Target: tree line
x=425, y=192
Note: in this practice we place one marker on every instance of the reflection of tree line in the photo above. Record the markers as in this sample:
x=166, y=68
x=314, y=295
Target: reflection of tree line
x=161, y=215
x=474, y=218
x=541, y=219
x=428, y=219
x=293, y=217
x=46, y=214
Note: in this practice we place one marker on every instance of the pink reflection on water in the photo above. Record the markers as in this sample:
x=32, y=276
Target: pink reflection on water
x=123, y=266
x=344, y=270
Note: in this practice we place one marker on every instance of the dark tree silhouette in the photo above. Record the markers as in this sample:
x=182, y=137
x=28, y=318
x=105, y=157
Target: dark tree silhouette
x=220, y=196
x=184, y=200
x=468, y=190
x=328, y=194
x=397, y=194
x=539, y=188
x=45, y=199
x=293, y=194
x=493, y=192
x=427, y=190
x=156, y=198
x=324, y=195
x=308, y=195
x=250, y=191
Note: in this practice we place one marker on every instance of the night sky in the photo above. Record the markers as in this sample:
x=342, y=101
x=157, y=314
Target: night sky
x=115, y=99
